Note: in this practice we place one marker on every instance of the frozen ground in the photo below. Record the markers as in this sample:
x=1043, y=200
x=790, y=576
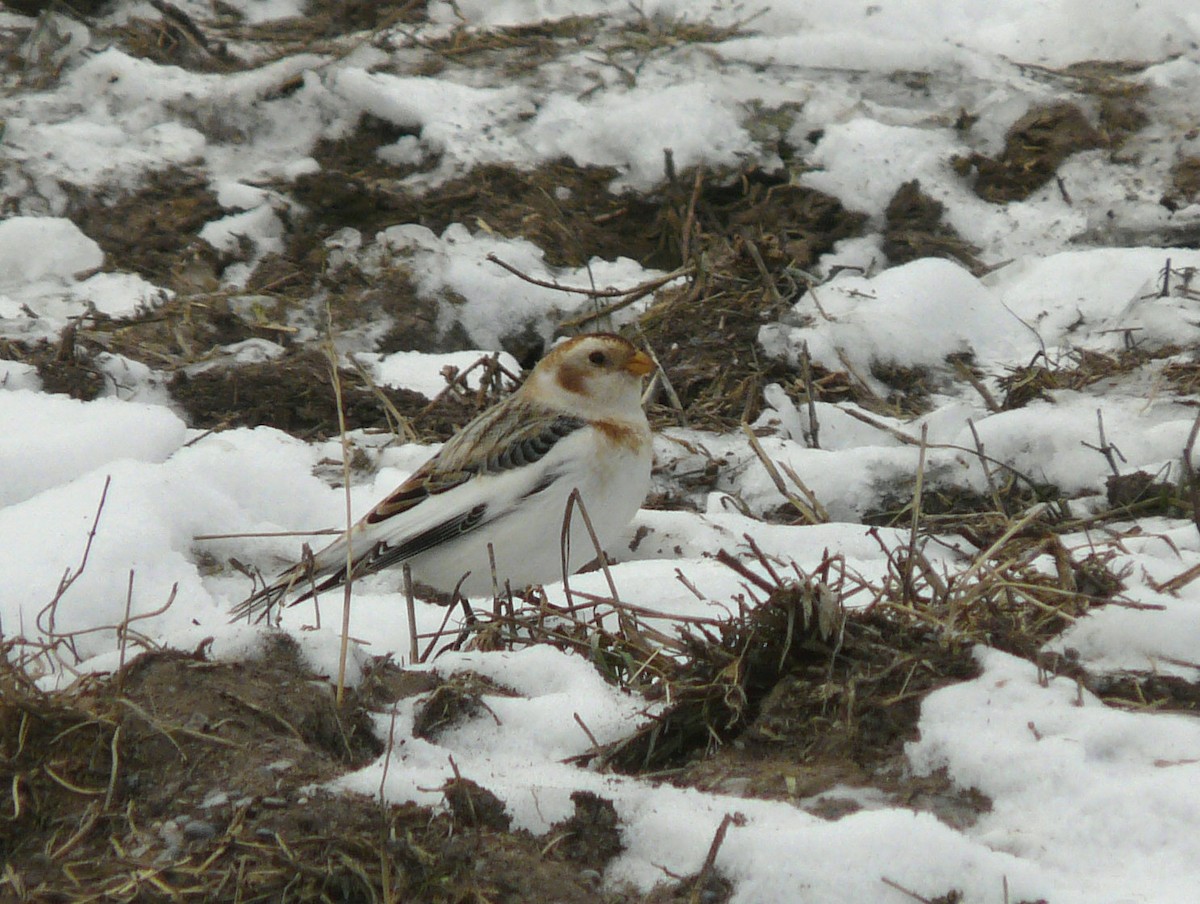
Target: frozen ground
x=1090, y=274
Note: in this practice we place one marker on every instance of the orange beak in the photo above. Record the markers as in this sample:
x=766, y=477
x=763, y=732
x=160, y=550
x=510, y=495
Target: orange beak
x=640, y=364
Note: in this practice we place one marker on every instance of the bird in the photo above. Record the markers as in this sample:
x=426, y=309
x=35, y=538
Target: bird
x=575, y=426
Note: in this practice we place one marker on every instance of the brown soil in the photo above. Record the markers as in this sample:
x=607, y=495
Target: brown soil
x=754, y=233
x=1185, y=183
x=1034, y=148
x=182, y=779
x=154, y=231
x=914, y=228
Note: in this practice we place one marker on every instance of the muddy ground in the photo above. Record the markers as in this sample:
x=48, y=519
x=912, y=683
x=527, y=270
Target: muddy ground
x=178, y=778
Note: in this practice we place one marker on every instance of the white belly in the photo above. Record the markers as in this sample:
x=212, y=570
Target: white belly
x=528, y=541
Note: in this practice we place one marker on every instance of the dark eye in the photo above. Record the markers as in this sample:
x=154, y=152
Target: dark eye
x=598, y=358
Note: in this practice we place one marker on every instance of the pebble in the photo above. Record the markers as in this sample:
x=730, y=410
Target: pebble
x=198, y=829
x=214, y=799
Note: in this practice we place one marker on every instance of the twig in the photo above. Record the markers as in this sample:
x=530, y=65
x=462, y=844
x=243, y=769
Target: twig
x=385, y=865
x=987, y=472
x=644, y=288
x=1179, y=581
x=592, y=599
x=1107, y=449
x=331, y=353
x=411, y=608
x=123, y=635
x=918, y=489
x=271, y=718
x=761, y=266
x=114, y=750
x=436, y=635
x=637, y=293
x=70, y=577
x=660, y=375
x=689, y=219
x=853, y=371
x=185, y=23
x=575, y=499
x=814, y=426
x=1189, y=472
x=807, y=512
x=969, y=375
x=587, y=731
x=710, y=859
x=907, y=891
x=270, y=533
x=404, y=426
x=910, y=441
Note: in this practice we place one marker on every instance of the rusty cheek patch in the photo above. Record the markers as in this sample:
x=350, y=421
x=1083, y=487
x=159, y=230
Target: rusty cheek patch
x=619, y=434
x=570, y=379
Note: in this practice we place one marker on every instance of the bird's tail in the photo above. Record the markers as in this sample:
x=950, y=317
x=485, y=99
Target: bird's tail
x=307, y=576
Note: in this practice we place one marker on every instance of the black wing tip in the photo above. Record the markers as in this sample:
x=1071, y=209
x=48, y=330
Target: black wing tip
x=258, y=605
x=255, y=607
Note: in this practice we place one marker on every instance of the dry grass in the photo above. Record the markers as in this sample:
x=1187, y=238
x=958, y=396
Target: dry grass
x=1081, y=368
x=827, y=669
x=791, y=665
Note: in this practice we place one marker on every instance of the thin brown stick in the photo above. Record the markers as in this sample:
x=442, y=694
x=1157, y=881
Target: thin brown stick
x=404, y=428
x=331, y=353
x=967, y=374
x=906, y=891
x=987, y=472
x=915, y=524
x=710, y=859
x=123, y=635
x=814, y=426
x=689, y=219
x=70, y=577
x=644, y=288
x=1178, y=582
x=1189, y=472
x=575, y=499
x=635, y=294
x=1110, y=452
x=912, y=441
x=660, y=376
x=327, y=532
x=587, y=731
x=807, y=512
x=436, y=635
x=411, y=608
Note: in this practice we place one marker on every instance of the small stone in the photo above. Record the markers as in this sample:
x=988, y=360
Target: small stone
x=214, y=799
x=198, y=830
x=171, y=834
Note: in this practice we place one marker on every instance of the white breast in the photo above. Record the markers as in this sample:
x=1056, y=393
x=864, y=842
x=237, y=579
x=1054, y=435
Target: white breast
x=612, y=478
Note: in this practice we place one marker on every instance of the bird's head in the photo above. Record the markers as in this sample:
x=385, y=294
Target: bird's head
x=595, y=375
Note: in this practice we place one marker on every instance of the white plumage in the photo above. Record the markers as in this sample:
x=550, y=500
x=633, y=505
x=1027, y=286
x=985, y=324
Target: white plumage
x=575, y=424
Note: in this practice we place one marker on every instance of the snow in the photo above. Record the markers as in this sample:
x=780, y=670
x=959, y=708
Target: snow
x=423, y=373
x=496, y=303
x=1081, y=764
x=1089, y=802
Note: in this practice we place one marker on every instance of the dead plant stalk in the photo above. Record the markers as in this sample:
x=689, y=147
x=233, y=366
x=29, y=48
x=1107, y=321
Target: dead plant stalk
x=331, y=352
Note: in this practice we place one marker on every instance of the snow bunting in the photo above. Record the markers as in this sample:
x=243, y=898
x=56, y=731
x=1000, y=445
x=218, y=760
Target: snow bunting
x=576, y=423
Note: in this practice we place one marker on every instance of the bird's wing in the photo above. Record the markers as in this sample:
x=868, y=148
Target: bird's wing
x=514, y=438
x=477, y=477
